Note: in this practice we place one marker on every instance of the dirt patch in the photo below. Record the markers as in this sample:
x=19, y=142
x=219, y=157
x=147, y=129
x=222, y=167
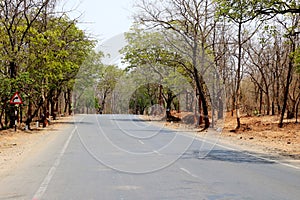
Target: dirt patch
x=263, y=132
x=14, y=146
x=260, y=134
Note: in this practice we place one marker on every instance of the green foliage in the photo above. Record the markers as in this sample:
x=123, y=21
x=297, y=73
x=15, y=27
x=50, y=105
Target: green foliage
x=108, y=77
x=143, y=47
x=152, y=62
x=143, y=97
x=39, y=56
x=274, y=7
x=95, y=82
x=86, y=80
x=150, y=49
x=297, y=59
x=240, y=11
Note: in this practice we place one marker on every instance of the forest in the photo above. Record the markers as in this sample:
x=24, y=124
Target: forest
x=206, y=57
x=41, y=53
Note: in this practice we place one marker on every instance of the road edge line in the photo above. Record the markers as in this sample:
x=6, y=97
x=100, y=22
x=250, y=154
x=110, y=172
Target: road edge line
x=44, y=185
x=196, y=137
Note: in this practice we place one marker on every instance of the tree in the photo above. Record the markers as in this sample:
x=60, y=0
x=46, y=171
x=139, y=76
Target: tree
x=191, y=22
x=56, y=54
x=41, y=55
x=144, y=97
x=282, y=8
x=107, y=79
x=86, y=79
x=16, y=19
x=291, y=66
x=149, y=56
x=239, y=12
x=261, y=71
x=273, y=8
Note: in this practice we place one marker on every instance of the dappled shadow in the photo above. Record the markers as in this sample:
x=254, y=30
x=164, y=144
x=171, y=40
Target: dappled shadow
x=129, y=120
x=160, y=131
x=229, y=156
x=63, y=123
x=73, y=123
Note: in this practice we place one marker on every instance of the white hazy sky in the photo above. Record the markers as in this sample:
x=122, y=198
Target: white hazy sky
x=101, y=18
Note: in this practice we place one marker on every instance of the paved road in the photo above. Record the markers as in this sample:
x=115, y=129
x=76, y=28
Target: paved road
x=120, y=157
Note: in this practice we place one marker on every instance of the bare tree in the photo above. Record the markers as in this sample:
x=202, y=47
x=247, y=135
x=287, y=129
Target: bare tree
x=292, y=38
x=192, y=21
x=261, y=71
x=241, y=14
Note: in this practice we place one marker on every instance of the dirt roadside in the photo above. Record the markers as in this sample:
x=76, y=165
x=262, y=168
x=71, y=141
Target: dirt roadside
x=263, y=133
x=16, y=146
x=260, y=135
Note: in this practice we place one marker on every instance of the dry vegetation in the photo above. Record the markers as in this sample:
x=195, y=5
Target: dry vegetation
x=15, y=146
x=264, y=132
x=257, y=134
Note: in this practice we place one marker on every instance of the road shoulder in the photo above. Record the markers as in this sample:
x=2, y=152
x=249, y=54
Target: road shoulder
x=16, y=147
x=255, y=143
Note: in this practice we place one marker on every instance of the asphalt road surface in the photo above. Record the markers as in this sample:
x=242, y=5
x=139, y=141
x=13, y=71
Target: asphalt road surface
x=121, y=157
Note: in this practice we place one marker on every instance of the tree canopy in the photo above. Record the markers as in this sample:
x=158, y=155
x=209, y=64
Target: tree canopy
x=41, y=54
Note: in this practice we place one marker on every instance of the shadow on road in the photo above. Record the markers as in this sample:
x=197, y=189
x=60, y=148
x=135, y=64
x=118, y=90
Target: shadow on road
x=129, y=120
x=229, y=156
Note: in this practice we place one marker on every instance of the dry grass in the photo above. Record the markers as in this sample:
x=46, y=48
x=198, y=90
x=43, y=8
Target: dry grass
x=263, y=131
x=257, y=133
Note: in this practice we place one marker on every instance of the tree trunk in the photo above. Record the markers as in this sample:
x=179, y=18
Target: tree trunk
x=55, y=107
x=169, y=99
x=160, y=98
x=200, y=112
x=29, y=113
x=52, y=106
x=69, y=92
x=6, y=120
x=66, y=99
x=103, y=102
x=202, y=100
x=195, y=107
x=198, y=80
x=31, y=116
x=233, y=105
x=268, y=102
x=297, y=111
x=1, y=116
x=287, y=86
x=11, y=116
x=238, y=78
x=186, y=100
x=260, y=101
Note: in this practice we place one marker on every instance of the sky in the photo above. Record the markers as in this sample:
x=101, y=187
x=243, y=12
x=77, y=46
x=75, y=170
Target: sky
x=102, y=19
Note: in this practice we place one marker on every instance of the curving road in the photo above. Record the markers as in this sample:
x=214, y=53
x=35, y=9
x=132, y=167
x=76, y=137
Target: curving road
x=121, y=157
